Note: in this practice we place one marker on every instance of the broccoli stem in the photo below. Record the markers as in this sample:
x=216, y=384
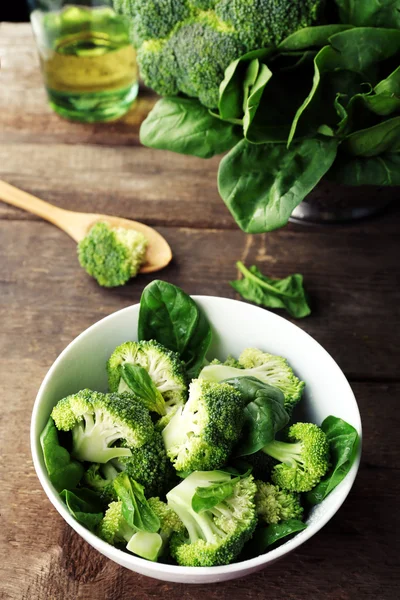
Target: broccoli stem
x=290, y=454
x=92, y=438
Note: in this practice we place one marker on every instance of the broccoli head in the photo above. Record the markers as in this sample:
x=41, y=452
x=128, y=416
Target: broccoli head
x=274, y=505
x=163, y=366
x=112, y=255
x=268, y=368
x=303, y=460
x=214, y=535
x=186, y=45
x=103, y=426
x=201, y=434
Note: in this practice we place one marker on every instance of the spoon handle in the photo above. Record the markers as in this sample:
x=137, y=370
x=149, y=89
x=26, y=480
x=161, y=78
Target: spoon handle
x=16, y=197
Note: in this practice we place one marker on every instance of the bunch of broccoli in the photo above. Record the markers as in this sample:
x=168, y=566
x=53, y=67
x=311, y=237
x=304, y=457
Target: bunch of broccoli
x=159, y=453
x=186, y=45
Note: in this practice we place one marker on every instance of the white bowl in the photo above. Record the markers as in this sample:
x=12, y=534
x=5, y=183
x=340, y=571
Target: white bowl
x=236, y=325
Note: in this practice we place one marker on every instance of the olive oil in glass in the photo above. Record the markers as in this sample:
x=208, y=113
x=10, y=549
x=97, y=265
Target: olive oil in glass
x=88, y=62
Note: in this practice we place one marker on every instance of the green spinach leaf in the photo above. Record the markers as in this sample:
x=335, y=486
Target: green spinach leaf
x=254, y=97
x=135, y=508
x=64, y=473
x=85, y=506
x=370, y=13
x=309, y=37
x=343, y=443
x=232, y=91
x=373, y=141
x=265, y=537
x=185, y=126
x=358, y=170
x=170, y=316
x=139, y=381
x=287, y=293
x=264, y=414
x=262, y=184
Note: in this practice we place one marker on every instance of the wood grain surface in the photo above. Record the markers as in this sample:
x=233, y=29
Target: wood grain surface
x=351, y=272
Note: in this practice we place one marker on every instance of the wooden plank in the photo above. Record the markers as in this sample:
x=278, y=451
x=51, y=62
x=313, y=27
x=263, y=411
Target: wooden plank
x=354, y=556
x=42, y=287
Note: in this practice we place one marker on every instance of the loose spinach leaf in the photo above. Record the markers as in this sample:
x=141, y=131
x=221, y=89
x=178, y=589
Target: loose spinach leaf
x=85, y=506
x=343, y=443
x=376, y=170
x=205, y=498
x=139, y=381
x=254, y=97
x=170, y=316
x=385, y=98
x=376, y=140
x=262, y=184
x=370, y=13
x=265, y=537
x=64, y=473
x=309, y=37
x=287, y=293
x=135, y=508
x=231, y=91
x=185, y=126
x=264, y=414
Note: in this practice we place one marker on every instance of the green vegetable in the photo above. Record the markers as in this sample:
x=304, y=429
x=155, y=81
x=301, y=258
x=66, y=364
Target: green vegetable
x=64, y=473
x=85, y=506
x=99, y=421
x=303, y=460
x=135, y=508
x=186, y=45
x=215, y=536
x=274, y=505
x=343, y=442
x=292, y=95
x=148, y=465
x=266, y=537
x=202, y=434
x=140, y=383
x=171, y=317
x=261, y=184
x=264, y=414
x=112, y=255
x=185, y=126
x=270, y=369
x=287, y=293
x=163, y=366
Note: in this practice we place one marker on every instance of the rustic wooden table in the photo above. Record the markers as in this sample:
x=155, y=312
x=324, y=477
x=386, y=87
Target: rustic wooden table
x=351, y=272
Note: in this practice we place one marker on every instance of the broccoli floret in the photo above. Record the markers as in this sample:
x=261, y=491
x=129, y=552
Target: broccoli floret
x=148, y=465
x=100, y=477
x=201, y=435
x=274, y=505
x=230, y=361
x=164, y=367
x=186, y=45
x=114, y=529
x=268, y=368
x=303, y=460
x=216, y=535
x=99, y=422
x=112, y=255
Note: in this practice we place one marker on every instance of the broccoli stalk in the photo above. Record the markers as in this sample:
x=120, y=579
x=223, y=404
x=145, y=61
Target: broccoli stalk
x=215, y=534
x=201, y=435
x=303, y=460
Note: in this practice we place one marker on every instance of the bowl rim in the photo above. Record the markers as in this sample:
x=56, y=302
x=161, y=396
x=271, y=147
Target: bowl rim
x=156, y=568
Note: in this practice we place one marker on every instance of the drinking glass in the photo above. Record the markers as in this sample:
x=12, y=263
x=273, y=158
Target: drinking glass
x=87, y=60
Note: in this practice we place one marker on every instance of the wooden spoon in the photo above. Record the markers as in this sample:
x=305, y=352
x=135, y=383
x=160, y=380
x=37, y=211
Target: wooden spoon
x=77, y=224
